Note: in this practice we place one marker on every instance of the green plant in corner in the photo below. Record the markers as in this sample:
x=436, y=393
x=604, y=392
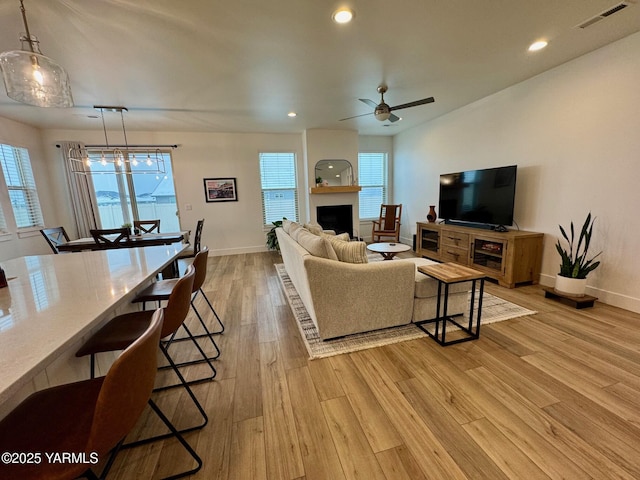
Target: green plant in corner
x=272, y=239
x=575, y=264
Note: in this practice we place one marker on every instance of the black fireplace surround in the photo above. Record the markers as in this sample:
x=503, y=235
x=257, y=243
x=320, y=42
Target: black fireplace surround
x=336, y=217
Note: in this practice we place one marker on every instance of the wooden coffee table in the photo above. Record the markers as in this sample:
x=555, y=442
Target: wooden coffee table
x=447, y=274
x=388, y=250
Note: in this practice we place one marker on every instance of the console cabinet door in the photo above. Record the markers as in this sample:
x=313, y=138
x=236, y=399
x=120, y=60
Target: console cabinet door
x=489, y=255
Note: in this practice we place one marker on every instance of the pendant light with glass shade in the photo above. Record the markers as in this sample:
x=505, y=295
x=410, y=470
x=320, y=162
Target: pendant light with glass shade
x=33, y=78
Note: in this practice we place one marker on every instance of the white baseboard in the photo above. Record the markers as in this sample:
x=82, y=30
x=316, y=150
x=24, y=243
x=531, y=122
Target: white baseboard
x=238, y=251
x=610, y=298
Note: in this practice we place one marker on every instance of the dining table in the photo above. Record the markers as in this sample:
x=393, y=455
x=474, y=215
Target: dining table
x=54, y=302
x=133, y=241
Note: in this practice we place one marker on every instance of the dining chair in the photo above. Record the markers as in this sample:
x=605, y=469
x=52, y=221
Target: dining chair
x=120, y=331
x=192, y=251
x=388, y=224
x=147, y=226
x=161, y=290
x=110, y=236
x=91, y=416
x=55, y=236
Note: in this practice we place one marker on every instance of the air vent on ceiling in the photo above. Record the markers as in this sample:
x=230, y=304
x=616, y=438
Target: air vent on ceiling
x=607, y=13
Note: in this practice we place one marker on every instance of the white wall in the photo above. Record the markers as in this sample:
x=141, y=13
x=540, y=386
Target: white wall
x=574, y=133
x=230, y=227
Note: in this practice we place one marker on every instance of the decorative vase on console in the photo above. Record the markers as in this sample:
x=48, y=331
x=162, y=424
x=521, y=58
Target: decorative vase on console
x=431, y=216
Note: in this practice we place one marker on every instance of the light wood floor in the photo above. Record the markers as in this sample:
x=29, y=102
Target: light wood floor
x=554, y=395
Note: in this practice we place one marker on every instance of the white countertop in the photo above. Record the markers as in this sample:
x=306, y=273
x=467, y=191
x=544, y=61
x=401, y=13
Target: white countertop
x=52, y=300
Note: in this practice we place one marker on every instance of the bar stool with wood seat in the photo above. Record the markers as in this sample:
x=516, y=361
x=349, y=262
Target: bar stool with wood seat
x=160, y=291
x=91, y=417
x=120, y=331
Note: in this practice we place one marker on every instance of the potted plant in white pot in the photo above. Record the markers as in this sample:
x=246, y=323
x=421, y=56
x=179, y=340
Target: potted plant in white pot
x=575, y=266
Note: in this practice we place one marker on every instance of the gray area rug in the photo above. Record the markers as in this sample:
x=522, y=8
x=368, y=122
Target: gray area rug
x=494, y=309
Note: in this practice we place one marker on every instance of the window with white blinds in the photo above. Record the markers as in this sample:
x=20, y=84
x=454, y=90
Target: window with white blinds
x=18, y=177
x=279, y=187
x=372, y=173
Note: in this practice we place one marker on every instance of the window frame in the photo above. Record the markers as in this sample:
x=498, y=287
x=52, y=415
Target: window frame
x=267, y=223
x=125, y=183
x=364, y=187
x=24, y=181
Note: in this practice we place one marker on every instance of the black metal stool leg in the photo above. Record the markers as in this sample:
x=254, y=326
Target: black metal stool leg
x=176, y=433
x=193, y=397
x=204, y=359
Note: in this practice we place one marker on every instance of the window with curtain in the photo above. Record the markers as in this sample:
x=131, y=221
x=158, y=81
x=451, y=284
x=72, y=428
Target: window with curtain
x=18, y=177
x=123, y=198
x=279, y=187
x=372, y=173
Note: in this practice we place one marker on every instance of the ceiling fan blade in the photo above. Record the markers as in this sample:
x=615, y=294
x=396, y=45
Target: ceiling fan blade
x=393, y=118
x=413, y=104
x=356, y=116
x=371, y=103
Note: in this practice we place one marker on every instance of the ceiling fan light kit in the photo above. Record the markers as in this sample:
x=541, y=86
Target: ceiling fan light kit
x=33, y=78
x=383, y=112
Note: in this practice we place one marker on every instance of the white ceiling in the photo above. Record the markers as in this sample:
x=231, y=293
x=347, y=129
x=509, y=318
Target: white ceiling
x=241, y=66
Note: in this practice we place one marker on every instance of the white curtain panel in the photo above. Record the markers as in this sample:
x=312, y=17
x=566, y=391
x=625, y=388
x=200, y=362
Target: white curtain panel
x=82, y=196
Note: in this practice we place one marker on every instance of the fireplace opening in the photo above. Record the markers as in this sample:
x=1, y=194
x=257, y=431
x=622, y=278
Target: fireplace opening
x=336, y=217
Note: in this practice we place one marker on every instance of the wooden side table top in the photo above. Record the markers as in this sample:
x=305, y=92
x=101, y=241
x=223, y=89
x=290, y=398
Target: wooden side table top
x=451, y=272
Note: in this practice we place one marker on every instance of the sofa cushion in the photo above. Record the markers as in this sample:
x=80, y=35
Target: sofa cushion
x=349, y=252
x=428, y=287
x=286, y=225
x=316, y=245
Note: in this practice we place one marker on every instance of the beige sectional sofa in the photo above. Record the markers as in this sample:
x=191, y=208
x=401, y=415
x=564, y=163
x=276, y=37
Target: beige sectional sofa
x=343, y=298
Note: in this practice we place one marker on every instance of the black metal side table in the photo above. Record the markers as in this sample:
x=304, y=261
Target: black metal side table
x=448, y=274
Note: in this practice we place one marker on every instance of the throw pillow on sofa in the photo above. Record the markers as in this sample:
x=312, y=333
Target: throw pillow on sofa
x=313, y=228
x=341, y=236
x=294, y=229
x=349, y=252
x=315, y=245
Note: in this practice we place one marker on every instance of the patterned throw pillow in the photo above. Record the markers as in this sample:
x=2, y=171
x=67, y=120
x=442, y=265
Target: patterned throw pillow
x=349, y=252
x=315, y=245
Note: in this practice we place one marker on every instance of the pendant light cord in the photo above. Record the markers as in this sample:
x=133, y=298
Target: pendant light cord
x=26, y=26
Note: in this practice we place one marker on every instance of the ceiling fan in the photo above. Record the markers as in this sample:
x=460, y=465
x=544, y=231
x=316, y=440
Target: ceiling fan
x=382, y=111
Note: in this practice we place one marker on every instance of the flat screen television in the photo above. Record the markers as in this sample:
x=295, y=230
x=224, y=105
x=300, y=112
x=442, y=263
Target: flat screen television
x=482, y=197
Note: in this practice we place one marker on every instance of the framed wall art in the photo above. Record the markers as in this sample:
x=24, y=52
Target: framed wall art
x=220, y=190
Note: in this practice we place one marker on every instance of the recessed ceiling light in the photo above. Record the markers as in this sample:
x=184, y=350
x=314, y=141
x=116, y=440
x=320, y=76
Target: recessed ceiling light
x=292, y=114
x=539, y=45
x=343, y=15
